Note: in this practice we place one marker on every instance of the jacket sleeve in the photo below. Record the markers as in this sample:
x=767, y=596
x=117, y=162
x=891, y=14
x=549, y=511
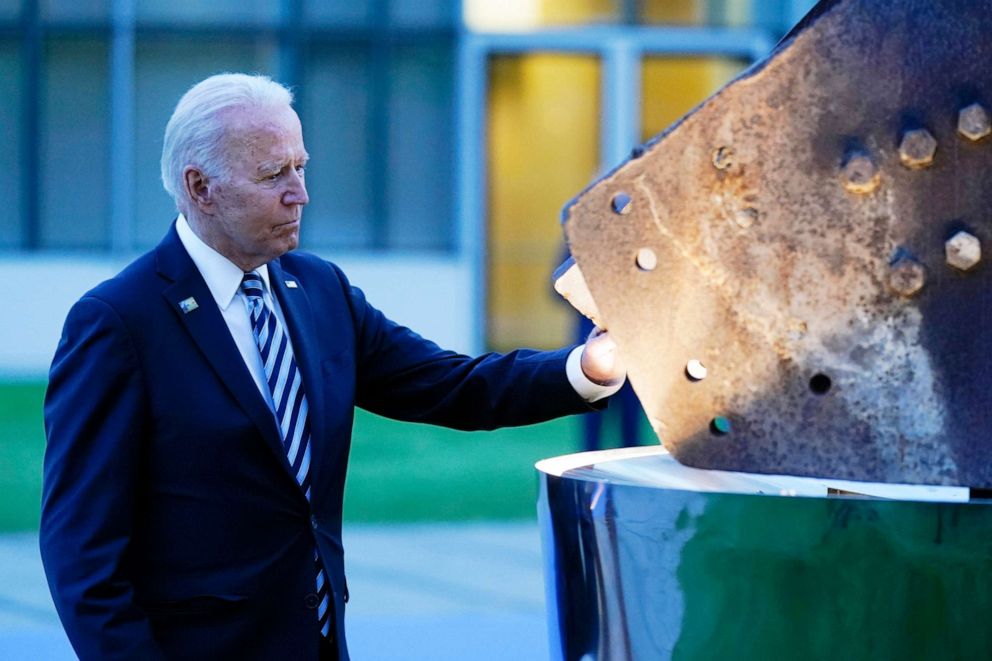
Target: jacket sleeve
x=95, y=417
x=404, y=376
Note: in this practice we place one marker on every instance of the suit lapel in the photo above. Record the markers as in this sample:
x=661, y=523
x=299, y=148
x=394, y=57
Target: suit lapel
x=302, y=330
x=209, y=331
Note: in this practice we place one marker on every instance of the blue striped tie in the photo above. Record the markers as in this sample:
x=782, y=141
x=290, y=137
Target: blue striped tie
x=291, y=408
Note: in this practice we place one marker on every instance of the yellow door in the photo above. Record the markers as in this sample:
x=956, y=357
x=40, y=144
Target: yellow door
x=543, y=149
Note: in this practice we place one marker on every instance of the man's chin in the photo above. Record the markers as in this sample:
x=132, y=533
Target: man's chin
x=292, y=242
x=288, y=236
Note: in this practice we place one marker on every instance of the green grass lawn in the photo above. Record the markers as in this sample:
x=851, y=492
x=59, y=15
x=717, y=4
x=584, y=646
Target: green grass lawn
x=22, y=445
x=399, y=472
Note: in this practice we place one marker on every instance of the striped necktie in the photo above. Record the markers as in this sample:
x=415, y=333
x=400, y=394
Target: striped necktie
x=291, y=409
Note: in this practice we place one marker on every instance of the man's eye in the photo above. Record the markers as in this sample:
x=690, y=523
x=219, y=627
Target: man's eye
x=273, y=177
x=301, y=170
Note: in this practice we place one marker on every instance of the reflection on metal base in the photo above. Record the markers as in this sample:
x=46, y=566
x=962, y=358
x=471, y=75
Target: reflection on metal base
x=648, y=559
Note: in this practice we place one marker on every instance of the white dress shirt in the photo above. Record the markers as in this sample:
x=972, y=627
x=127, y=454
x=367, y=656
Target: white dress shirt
x=223, y=279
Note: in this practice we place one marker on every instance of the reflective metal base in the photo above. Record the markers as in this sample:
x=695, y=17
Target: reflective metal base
x=648, y=559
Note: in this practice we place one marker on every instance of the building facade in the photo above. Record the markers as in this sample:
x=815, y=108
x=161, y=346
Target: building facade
x=445, y=137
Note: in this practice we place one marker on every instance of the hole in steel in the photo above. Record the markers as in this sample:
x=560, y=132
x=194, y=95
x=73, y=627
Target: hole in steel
x=621, y=204
x=720, y=426
x=820, y=384
x=646, y=259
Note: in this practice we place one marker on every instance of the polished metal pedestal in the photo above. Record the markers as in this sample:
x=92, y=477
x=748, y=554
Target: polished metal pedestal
x=648, y=559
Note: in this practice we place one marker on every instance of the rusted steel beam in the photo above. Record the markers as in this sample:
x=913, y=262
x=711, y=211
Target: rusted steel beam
x=794, y=271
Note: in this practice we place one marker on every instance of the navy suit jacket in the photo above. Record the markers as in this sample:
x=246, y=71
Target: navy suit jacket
x=171, y=526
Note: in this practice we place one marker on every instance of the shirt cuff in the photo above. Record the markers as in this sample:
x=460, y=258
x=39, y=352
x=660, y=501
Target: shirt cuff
x=587, y=390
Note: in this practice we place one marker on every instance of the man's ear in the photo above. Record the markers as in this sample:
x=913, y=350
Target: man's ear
x=199, y=188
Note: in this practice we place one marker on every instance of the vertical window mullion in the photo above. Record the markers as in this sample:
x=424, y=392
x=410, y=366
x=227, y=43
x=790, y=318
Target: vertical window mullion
x=621, y=103
x=378, y=143
x=31, y=73
x=630, y=12
x=291, y=39
x=122, y=126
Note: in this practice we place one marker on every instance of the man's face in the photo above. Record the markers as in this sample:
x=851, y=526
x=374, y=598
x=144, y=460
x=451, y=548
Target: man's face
x=255, y=216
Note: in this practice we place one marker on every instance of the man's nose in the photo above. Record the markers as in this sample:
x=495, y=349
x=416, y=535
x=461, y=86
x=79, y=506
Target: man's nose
x=297, y=193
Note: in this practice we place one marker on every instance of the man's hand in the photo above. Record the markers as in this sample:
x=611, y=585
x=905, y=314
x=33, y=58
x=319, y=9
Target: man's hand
x=600, y=362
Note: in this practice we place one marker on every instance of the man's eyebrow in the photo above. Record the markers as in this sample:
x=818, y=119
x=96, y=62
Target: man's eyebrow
x=271, y=166
x=278, y=164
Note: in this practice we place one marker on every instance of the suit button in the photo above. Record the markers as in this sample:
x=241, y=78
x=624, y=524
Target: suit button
x=311, y=601
x=313, y=521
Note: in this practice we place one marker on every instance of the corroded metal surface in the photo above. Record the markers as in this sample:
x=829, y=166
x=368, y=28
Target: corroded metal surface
x=798, y=236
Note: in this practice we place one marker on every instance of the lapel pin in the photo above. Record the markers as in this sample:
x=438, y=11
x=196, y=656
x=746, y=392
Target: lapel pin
x=291, y=284
x=188, y=305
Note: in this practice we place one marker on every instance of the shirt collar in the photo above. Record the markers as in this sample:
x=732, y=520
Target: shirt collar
x=223, y=277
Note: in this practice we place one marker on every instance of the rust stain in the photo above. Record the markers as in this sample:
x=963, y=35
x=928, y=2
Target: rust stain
x=788, y=221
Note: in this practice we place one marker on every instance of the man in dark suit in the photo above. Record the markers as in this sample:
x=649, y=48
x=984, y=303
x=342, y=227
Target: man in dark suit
x=200, y=407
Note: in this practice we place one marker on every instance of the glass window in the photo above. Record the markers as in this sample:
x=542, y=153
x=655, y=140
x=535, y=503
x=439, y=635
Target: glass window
x=423, y=13
x=165, y=70
x=10, y=9
x=675, y=12
x=524, y=14
x=335, y=110
x=197, y=11
x=74, y=137
x=70, y=10
x=672, y=87
x=420, y=173
x=539, y=156
x=776, y=15
x=487, y=15
x=354, y=12
x=10, y=124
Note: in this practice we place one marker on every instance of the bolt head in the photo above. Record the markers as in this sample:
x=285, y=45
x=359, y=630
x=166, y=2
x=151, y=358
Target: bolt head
x=860, y=174
x=907, y=277
x=974, y=122
x=917, y=149
x=963, y=251
x=723, y=158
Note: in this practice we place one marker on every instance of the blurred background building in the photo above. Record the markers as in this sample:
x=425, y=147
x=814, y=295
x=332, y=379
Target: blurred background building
x=446, y=137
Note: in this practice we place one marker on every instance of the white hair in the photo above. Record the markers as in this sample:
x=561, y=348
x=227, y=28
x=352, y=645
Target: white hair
x=196, y=131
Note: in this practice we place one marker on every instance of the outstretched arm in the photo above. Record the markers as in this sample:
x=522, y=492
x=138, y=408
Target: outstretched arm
x=404, y=376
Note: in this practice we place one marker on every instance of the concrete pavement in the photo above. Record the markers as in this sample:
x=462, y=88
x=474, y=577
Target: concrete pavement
x=442, y=592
